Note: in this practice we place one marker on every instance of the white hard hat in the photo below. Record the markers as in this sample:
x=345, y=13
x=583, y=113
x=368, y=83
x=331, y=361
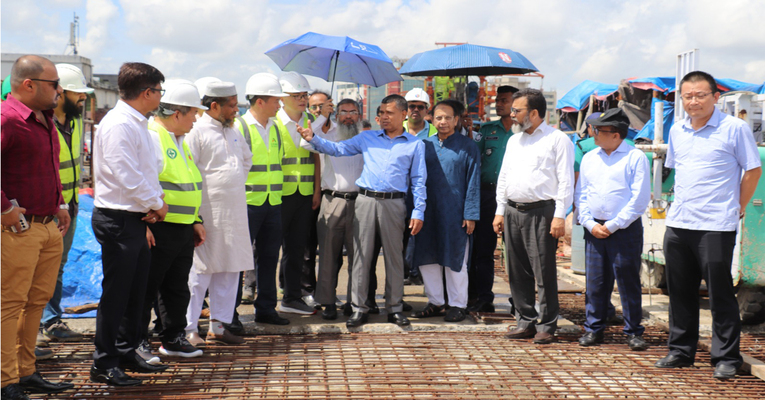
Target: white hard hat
x=72, y=79
x=292, y=82
x=418, y=94
x=202, y=83
x=264, y=84
x=181, y=92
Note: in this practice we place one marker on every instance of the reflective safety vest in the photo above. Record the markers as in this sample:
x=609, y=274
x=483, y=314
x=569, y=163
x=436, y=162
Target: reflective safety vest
x=69, y=163
x=265, y=177
x=431, y=129
x=180, y=180
x=297, y=164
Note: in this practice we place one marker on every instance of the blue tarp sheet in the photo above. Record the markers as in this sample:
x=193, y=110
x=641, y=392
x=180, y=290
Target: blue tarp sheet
x=662, y=83
x=83, y=272
x=578, y=97
x=669, y=118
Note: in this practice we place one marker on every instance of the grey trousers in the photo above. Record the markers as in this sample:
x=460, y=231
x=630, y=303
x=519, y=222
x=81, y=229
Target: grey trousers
x=334, y=229
x=531, y=253
x=385, y=218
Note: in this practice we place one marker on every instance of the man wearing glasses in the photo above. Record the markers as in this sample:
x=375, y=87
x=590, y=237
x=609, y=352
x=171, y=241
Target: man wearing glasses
x=710, y=152
x=301, y=192
x=30, y=253
x=127, y=197
x=418, y=102
x=534, y=191
x=612, y=194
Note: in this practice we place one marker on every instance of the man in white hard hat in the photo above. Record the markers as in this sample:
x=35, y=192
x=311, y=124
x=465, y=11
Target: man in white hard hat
x=418, y=102
x=300, y=193
x=68, y=118
x=223, y=159
x=264, y=189
x=172, y=241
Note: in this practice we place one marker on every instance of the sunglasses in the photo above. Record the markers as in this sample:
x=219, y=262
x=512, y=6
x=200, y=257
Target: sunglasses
x=54, y=83
x=416, y=107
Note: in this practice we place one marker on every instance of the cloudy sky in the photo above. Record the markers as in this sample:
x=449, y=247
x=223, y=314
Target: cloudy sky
x=568, y=40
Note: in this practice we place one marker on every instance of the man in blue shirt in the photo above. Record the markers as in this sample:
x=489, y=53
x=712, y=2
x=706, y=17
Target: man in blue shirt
x=612, y=193
x=709, y=152
x=394, y=160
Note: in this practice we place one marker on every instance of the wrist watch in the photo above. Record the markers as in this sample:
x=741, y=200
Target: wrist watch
x=64, y=207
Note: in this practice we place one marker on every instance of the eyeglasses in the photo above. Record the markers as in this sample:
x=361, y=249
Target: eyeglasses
x=161, y=91
x=697, y=96
x=299, y=96
x=599, y=131
x=316, y=106
x=417, y=107
x=517, y=110
x=345, y=112
x=55, y=83
x=447, y=118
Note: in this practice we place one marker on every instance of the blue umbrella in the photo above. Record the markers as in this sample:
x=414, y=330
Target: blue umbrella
x=335, y=58
x=467, y=59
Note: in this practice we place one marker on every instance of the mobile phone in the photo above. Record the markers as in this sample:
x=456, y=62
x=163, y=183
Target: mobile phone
x=22, y=219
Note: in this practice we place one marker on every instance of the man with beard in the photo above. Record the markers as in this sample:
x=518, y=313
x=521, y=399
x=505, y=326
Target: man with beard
x=442, y=247
x=31, y=192
x=393, y=161
x=491, y=140
x=534, y=190
x=223, y=160
x=68, y=119
x=339, y=192
x=127, y=197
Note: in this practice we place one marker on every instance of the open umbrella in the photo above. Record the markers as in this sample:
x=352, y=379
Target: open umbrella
x=335, y=58
x=467, y=59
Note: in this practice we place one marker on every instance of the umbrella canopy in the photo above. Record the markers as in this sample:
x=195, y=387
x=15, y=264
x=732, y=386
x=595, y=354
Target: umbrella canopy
x=335, y=58
x=467, y=59
x=576, y=99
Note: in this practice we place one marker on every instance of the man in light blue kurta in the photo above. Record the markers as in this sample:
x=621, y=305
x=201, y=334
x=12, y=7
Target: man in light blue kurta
x=454, y=190
x=393, y=161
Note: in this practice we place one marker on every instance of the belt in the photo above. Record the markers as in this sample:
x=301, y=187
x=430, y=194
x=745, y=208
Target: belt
x=341, y=195
x=530, y=206
x=43, y=219
x=121, y=212
x=381, y=195
x=489, y=186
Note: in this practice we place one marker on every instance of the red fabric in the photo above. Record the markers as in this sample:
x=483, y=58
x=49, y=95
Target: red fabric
x=30, y=159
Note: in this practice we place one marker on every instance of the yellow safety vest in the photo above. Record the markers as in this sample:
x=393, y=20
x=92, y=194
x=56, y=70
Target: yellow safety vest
x=69, y=163
x=431, y=129
x=180, y=180
x=265, y=177
x=298, y=163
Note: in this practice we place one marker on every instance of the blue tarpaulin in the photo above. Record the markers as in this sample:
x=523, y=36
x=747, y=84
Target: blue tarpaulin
x=577, y=98
x=669, y=118
x=83, y=272
x=664, y=84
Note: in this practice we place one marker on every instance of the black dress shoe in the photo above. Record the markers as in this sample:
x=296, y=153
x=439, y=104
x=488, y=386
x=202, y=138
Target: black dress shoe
x=724, y=371
x=112, y=376
x=522, y=333
x=35, y=383
x=372, y=307
x=14, y=392
x=591, y=338
x=358, y=318
x=482, y=306
x=407, y=307
x=347, y=309
x=136, y=363
x=398, y=318
x=235, y=327
x=271, y=318
x=330, y=312
x=636, y=342
x=674, y=361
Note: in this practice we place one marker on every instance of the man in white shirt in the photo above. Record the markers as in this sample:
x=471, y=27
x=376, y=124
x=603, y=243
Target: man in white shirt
x=339, y=192
x=223, y=160
x=612, y=193
x=534, y=190
x=127, y=197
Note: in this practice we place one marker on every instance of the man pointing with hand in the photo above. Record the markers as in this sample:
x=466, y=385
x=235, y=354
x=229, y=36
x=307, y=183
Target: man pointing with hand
x=393, y=160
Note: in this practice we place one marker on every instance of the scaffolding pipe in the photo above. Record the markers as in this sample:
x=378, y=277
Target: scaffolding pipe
x=658, y=157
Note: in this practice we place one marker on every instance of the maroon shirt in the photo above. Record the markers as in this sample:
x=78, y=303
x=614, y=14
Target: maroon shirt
x=30, y=159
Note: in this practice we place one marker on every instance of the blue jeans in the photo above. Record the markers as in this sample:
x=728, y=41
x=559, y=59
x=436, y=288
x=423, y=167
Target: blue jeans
x=53, y=312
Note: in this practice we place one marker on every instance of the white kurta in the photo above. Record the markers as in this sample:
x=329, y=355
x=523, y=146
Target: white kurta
x=223, y=159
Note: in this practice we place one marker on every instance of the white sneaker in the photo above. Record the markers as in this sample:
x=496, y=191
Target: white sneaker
x=144, y=350
x=180, y=347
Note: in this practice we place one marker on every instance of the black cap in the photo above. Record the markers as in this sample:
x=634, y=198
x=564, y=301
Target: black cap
x=615, y=117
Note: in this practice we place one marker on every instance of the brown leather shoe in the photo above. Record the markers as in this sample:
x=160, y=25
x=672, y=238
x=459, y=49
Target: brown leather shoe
x=226, y=338
x=544, y=338
x=521, y=333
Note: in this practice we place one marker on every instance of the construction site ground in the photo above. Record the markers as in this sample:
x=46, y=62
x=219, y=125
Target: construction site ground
x=431, y=359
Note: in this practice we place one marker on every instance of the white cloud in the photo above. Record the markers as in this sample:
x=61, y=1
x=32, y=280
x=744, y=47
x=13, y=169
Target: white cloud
x=99, y=19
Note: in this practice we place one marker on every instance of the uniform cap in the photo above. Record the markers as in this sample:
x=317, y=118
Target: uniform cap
x=615, y=117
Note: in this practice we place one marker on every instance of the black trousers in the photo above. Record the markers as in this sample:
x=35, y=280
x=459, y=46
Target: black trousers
x=297, y=218
x=125, y=258
x=691, y=256
x=481, y=271
x=171, y=260
x=308, y=277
